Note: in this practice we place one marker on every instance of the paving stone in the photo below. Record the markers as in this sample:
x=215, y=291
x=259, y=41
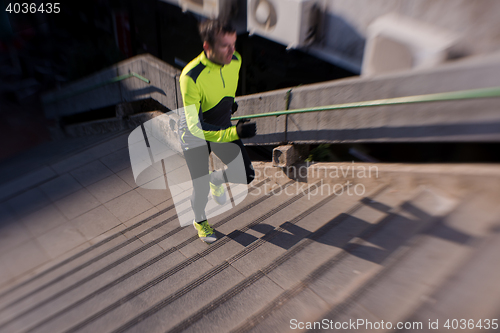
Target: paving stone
x=6, y=213
x=266, y=253
x=254, y=213
x=118, y=229
x=175, y=312
x=227, y=251
x=344, y=278
x=349, y=269
x=95, y=222
x=78, y=160
x=76, y=262
x=301, y=264
x=5, y=274
x=185, y=214
x=91, y=173
x=292, y=234
x=12, y=234
x=60, y=187
x=117, y=161
x=258, y=258
x=113, y=319
x=402, y=290
x=117, y=143
x=139, y=218
x=50, y=264
x=24, y=257
x=192, y=248
x=152, y=177
x=61, y=239
x=100, y=301
x=233, y=312
x=89, y=155
x=152, y=219
x=44, y=220
x=28, y=202
x=128, y=206
x=364, y=261
x=77, y=203
x=156, y=197
x=127, y=176
x=181, y=236
x=180, y=179
x=39, y=295
x=303, y=308
x=158, y=292
x=168, y=204
x=357, y=312
x=107, y=297
x=22, y=183
x=350, y=273
x=157, y=232
x=476, y=282
x=19, y=292
x=422, y=270
x=109, y=188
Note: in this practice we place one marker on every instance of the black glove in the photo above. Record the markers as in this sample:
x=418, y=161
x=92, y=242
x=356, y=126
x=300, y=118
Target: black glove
x=234, y=108
x=246, y=130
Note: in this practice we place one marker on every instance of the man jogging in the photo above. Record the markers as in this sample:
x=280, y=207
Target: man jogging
x=208, y=86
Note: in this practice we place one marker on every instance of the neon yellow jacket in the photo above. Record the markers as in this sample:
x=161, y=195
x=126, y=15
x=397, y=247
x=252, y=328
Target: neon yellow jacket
x=208, y=90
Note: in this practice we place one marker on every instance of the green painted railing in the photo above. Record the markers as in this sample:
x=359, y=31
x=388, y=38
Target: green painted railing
x=447, y=96
x=113, y=80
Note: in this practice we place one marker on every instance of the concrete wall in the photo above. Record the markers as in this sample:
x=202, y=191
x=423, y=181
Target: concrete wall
x=465, y=120
x=163, y=87
x=347, y=21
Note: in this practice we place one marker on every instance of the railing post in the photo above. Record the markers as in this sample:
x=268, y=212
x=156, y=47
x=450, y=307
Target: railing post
x=287, y=106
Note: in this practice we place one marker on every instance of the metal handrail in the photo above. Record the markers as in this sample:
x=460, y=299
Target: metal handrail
x=447, y=96
x=113, y=80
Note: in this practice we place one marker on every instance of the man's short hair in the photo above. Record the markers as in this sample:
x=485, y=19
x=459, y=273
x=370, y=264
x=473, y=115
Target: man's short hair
x=210, y=28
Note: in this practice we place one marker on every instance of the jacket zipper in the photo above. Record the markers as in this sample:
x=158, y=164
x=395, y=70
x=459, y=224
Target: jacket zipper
x=223, y=83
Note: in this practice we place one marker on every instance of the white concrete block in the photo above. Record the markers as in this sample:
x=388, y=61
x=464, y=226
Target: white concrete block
x=396, y=42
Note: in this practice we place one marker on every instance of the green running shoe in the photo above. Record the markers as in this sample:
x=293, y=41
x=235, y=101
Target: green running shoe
x=218, y=193
x=205, y=232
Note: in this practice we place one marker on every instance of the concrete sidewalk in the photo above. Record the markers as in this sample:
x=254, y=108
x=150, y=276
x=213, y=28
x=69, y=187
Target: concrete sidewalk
x=63, y=207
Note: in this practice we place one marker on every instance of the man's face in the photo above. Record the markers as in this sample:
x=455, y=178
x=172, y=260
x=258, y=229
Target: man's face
x=222, y=50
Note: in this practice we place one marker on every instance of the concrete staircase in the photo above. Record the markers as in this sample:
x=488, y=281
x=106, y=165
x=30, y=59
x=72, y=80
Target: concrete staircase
x=292, y=253
x=418, y=246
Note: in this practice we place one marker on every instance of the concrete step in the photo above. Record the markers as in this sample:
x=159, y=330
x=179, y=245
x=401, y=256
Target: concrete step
x=477, y=282
x=348, y=269
x=146, y=230
x=112, y=246
x=476, y=279
x=181, y=282
x=291, y=250
x=83, y=271
x=283, y=258
x=408, y=279
x=260, y=285
x=34, y=309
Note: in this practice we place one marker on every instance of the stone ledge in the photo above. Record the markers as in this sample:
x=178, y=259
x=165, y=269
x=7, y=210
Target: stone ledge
x=110, y=124
x=458, y=179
